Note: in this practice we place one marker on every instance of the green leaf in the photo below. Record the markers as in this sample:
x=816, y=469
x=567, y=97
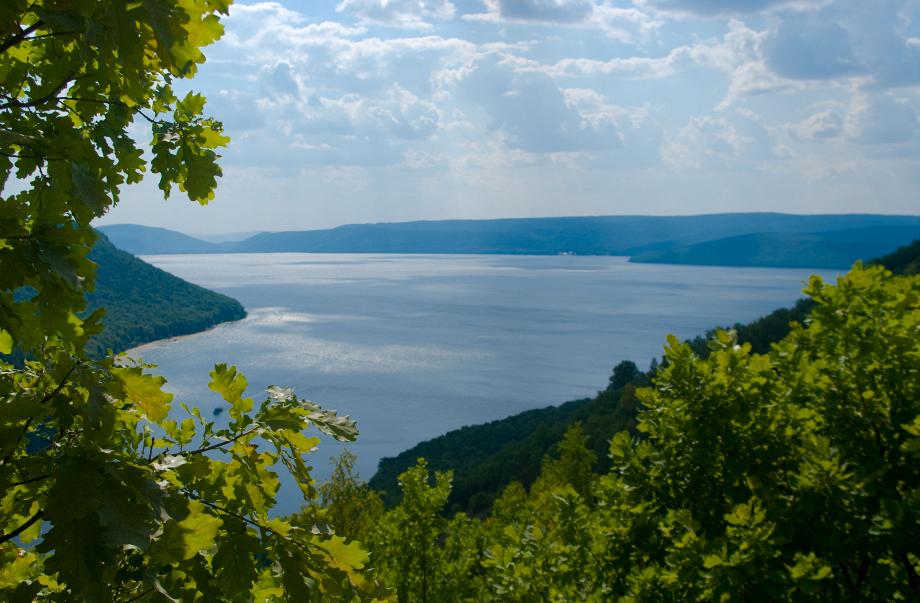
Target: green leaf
x=343, y=429
x=145, y=391
x=184, y=539
x=347, y=557
x=6, y=342
x=89, y=188
x=231, y=386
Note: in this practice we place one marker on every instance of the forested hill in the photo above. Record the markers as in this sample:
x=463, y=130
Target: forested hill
x=486, y=458
x=144, y=303
x=831, y=249
x=905, y=260
x=752, y=239
x=593, y=235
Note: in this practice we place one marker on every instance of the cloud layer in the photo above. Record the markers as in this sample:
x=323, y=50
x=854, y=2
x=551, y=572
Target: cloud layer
x=400, y=109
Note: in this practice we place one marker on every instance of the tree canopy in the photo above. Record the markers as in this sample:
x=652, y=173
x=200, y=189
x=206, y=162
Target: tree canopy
x=787, y=476
x=107, y=491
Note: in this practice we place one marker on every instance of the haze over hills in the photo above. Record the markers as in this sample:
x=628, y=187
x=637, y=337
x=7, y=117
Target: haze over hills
x=743, y=239
x=150, y=240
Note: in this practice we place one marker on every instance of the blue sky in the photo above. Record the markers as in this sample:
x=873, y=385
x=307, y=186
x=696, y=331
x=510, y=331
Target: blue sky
x=390, y=110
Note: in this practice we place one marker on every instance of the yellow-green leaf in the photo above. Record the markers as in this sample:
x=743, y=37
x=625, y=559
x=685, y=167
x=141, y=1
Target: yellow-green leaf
x=145, y=392
x=6, y=342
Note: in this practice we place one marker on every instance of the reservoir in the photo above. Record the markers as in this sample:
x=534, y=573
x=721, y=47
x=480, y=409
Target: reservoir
x=412, y=346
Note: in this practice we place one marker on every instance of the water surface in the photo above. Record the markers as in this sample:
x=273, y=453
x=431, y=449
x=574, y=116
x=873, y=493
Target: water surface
x=415, y=345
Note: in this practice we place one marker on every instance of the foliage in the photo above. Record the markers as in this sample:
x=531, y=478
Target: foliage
x=786, y=476
x=107, y=492
x=346, y=504
x=762, y=333
x=406, y=541
x=904, y=260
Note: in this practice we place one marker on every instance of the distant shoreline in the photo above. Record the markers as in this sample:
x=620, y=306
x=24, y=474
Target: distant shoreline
x=769, y=240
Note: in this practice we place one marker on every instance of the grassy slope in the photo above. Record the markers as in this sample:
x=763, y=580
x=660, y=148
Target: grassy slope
x=144, y=303
x=486, y=458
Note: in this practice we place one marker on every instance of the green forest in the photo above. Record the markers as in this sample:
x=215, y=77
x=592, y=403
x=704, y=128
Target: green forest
x=143, y=303
x=771, y=462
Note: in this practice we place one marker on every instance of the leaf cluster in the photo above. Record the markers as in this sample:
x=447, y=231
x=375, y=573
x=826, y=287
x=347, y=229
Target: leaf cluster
x=109, y=491
x=786, y=476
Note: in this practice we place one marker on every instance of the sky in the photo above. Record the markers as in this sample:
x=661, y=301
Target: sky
x=390, y=110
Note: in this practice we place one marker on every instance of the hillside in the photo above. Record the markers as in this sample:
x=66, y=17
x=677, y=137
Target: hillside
x=486, y=458
x=762, y=239
x=144, y=303
x=904, y=260
x=832, y=249
x=595, y=235
x=149, y=240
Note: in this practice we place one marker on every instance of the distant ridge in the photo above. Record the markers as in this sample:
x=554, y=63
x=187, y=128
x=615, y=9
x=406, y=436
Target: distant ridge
x=150, y=240
x=743, y=239
x=832, y=249
x=591, y=235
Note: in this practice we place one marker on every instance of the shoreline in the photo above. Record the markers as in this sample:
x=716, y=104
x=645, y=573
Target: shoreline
x=173, y=338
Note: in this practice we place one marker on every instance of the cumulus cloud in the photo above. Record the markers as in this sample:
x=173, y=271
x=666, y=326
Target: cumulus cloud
x=630, y=25
x=535, y=11
x=810, y=48
x=403, y=13
x=881, y=119
x=823, y=124
x=718, y=141
x=553, y=11
x=531, y=110
x=846, y=38
x=710, y=8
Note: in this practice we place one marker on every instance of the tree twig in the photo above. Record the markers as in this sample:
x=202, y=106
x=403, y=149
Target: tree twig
x=140, y=596
x=25, y=526
x=22, y=35
x=52, y=95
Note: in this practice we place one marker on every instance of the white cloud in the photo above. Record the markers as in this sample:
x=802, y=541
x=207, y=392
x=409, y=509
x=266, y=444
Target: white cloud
x=531, y=109
x=823, y=124
x=502, y=107
x=881, y=119
x=710, y=8
x=629, y=25
x=535, y=11
x=401, y=13
x=723, y=141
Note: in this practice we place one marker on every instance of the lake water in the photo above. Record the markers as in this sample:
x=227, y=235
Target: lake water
x=415, y=345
